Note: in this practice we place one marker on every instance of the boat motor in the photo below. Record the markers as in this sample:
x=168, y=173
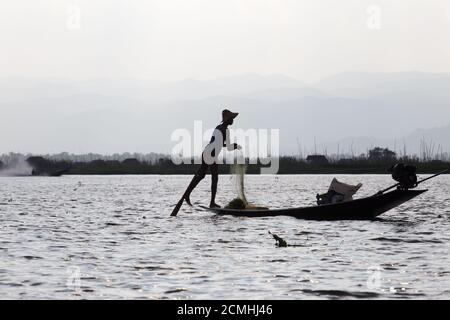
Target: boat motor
x=405, y=175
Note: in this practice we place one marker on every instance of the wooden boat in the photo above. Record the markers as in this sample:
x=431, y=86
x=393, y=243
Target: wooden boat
x=360, y=209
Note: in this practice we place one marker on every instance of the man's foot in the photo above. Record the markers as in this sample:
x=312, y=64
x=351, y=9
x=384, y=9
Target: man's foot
x=214, y=205
x=188, y=200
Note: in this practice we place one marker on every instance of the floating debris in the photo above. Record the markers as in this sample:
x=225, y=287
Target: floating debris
x=280, y=242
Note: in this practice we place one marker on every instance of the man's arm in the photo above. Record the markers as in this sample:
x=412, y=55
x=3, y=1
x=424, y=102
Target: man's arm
x=227, y=142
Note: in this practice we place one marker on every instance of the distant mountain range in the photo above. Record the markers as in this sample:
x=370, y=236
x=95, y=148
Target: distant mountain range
x=405, y=86
x=349, y=109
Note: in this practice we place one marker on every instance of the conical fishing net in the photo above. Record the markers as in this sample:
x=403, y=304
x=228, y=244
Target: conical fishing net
x=238, y=175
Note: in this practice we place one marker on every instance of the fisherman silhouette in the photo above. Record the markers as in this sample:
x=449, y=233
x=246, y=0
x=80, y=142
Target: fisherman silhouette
x=219, y=139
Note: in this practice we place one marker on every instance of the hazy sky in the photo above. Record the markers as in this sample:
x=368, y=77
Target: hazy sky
x=77, y=52
x=178, y=39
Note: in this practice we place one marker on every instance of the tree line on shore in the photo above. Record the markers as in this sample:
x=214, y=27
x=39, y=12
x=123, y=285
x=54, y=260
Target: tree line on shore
x=376, y=161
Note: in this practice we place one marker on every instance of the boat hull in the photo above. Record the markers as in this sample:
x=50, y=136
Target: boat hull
x=360, y=209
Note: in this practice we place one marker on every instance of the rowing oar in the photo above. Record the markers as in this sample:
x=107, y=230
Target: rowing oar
x=387, y=189
x=177, y=207
x=419, y=182
x=433, y=176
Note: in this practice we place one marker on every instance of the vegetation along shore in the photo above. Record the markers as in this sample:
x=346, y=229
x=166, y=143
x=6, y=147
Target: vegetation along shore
x=376, y=161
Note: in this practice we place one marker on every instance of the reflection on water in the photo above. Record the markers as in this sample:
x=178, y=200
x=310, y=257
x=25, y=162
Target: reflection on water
x=86, y=237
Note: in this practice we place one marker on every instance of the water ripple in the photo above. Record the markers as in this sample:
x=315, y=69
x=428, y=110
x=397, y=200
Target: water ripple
x=107, y=237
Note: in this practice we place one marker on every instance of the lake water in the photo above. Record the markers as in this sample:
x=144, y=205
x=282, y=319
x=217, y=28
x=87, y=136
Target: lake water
x=111, y=237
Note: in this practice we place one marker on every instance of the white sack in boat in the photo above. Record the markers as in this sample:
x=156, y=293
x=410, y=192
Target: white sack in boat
x=346, y=189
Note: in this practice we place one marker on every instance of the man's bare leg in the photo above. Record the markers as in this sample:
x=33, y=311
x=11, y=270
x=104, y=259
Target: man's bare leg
x=214, y=182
